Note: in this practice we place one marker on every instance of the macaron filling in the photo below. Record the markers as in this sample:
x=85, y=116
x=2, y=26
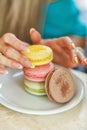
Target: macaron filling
x=39, y=54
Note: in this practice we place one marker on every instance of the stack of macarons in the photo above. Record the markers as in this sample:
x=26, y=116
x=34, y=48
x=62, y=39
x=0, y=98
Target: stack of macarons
x=34, y=77
x=44, y=79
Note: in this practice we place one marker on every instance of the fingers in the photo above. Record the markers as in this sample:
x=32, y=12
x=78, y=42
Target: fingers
x=35, y=36
x=54, y=46
x=62, y=42
x=82, y=59
x=2, y=69
x=57, y=48
x=63, y=46
x=11, y=48
x=63, y=60
x=10, y=63
x=13, y=54
x=65, y=42
x=12, y=40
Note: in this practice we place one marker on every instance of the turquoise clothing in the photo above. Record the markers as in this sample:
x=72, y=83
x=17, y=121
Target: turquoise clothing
x=63, y=19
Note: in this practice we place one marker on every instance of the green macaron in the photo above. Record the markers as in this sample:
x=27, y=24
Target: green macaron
x=36, y=88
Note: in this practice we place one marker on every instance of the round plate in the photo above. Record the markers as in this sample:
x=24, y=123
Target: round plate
x=13, y=96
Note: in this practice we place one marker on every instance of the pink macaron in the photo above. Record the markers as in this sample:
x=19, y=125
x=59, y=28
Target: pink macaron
x=39, y=73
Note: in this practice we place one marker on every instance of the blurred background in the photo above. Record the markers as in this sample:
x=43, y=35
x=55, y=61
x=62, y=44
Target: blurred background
x=82, y=5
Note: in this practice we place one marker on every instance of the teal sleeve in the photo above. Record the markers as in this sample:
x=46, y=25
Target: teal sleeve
x=63, y=19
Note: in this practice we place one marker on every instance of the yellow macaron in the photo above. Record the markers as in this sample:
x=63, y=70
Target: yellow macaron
x=39, y=54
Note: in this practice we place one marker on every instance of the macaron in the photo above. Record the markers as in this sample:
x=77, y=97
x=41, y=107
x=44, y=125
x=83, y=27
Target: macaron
x=35, y=88
x=39, y=54
x=38, y=73
x=60, y=85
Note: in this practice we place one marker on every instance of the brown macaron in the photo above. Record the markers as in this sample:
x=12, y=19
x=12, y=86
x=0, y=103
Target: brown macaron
x=60, y=86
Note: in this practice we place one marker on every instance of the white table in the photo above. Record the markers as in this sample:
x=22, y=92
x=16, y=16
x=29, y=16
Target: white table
x=74, y=119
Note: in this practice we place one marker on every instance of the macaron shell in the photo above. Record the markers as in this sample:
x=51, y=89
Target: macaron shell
x=35, y=93
x=47, y=85
x=34, y=78
x=38, y=73
x=60, y=87
x=39, y=54
x=35, y=88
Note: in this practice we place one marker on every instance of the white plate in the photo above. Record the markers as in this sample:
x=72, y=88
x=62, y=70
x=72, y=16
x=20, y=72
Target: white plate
x=13, y=96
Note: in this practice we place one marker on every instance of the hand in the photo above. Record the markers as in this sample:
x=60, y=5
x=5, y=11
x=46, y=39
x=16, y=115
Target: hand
x=63, y=48
x=81, y=57
x=10, y=53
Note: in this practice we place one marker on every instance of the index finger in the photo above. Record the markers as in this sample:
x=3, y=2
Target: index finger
x=62, y=42
x=65, y=42
x=13, y=41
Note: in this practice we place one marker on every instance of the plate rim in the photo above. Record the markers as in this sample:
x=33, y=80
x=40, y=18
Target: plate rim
x=45, y=112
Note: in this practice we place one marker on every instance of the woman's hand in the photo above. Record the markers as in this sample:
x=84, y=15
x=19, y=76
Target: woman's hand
x=63, y=48
x=10, y=53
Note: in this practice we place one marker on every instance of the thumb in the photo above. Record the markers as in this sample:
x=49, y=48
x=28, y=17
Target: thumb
x=35, y=36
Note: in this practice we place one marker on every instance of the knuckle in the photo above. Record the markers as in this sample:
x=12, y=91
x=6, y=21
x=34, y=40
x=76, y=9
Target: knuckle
x=19, y=58
x=7, y=50
x=7, y=36
x=67, y=39
x=0, y=56
x=2, y=59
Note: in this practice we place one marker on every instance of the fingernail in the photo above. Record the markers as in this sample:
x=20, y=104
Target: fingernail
x=3, y=72
x=32, y=30
x=76, y=60
x=24, y=48
x=32, y=66
x=16, y=65
x=27, y=63
x=6, y=72
x=85, y=61
x=27, y=50
x=73, y=45
x=36, y=34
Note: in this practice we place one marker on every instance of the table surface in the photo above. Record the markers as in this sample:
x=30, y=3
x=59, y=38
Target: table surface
x=74, y=119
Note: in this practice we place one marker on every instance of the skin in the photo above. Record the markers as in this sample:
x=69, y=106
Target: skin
x=10, y=56
x=63, y=49
x=11, y=47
